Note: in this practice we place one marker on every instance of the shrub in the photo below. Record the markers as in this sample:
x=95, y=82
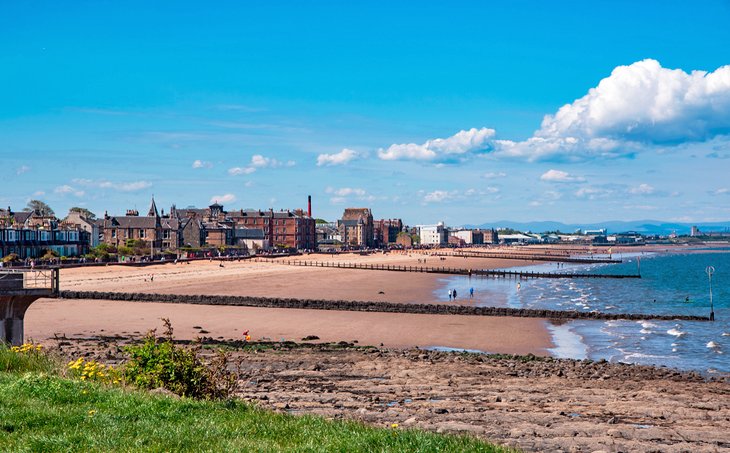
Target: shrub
x=10, y=258
x=159, y=362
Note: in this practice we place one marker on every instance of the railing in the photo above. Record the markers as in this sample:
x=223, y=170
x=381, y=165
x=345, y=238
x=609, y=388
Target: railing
x=29, y=279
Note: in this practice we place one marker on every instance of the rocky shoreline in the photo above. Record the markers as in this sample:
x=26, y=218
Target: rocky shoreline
x=529, y=402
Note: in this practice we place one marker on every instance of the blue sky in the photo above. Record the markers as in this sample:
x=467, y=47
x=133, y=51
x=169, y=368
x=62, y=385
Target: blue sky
x=468, y=112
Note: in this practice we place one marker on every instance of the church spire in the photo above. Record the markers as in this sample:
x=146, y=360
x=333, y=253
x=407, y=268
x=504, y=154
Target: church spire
x=153, y=209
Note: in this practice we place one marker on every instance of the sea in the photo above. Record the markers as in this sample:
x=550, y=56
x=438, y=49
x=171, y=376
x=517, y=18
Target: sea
x=671, y=283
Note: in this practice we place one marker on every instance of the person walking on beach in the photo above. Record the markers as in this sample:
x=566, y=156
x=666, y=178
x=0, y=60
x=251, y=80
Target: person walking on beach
x=454, y=294
x=471, y=293
x=451, y=293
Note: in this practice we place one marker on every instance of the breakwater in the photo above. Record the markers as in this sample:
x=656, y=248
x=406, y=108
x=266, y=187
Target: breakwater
x=447, y=270
x=366, y=306
x=529, y=257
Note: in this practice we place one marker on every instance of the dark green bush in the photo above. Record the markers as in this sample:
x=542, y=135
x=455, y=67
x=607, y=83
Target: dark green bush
x=159, y=362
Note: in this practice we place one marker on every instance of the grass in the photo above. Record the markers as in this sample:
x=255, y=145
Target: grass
x=29, y=361
x=46, y=412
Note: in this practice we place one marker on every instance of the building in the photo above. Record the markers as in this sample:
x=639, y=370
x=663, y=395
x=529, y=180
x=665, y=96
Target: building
x=252, y=239
x=90, y=226
x=282, y=229
x=433, y=234
x=357, y=227
x=159, y=232
x=385, y=231
x=29, y=235
x=490, y=236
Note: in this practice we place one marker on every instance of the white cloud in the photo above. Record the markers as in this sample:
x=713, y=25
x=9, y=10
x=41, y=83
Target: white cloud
x=38, y=193
x=226, y=198
x=258, y=161
x=560, y=176
x=241, y=171
x=593, y=193
x=131, y=186
x=642, y=189
x=721, y=191
x=346, y=191
x=438, y=196
x=202, y=164
x=637, y=106
x=341, y=158
x=343, y=194
x=457, y=146
x=494, y=175
x=22, y=169
x=66, y=190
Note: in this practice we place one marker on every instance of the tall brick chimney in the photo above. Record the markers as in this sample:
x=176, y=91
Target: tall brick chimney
x=309, y=205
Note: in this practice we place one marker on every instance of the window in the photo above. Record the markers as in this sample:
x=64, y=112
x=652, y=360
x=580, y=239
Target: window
x=142, y=234
x=114, y=234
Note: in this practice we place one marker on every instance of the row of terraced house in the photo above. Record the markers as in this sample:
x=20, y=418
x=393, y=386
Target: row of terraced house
x=28, y=235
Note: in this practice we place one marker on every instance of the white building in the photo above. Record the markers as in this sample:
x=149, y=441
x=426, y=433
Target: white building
x=465, y=235
x=433, y=234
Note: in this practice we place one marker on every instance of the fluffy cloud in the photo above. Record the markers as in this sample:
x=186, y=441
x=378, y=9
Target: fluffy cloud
x=721, y=191
x=452, y=148
x=642, y=189
x=131, y=186
x=235, y=171
x=439, y=196
x=638, y=105
x=258, y=161
x=22, y=169
x=66, y=190
x=202, y=164
x=342, y=194
x=226, y=198
x=341, y=158
x=560, y=176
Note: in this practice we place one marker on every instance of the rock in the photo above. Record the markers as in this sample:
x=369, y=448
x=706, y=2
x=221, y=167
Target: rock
x=615, y=433
x=410, y=421
x=165, y=392
x=440, y=410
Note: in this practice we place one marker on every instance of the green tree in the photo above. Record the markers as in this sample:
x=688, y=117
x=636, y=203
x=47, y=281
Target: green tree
x=39, y=207
x=84, y=212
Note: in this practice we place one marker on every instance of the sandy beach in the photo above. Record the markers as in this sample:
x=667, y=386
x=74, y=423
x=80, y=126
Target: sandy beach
x=271, y=279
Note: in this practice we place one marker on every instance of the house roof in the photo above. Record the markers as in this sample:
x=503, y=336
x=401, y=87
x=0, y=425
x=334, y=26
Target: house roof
x=249, y=233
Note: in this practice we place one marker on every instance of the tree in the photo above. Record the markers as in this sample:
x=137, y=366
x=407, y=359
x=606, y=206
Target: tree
x=84, y=212
x=39, y=208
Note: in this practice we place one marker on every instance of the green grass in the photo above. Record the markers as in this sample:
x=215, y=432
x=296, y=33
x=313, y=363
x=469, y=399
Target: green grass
x=33, y=361
x=43, y=412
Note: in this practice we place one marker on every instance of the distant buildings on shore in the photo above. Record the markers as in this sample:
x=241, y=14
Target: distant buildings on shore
x=29, y=234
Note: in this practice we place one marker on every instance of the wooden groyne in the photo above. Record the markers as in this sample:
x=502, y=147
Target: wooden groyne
x=448, y=270
x=530, y=257
x=368, y=306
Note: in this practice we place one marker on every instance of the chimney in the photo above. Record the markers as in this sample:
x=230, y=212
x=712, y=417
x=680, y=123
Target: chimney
x=309, y=205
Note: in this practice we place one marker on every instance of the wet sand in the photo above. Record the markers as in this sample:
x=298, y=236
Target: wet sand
x=47, y=318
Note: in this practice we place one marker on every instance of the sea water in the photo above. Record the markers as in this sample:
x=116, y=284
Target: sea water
x=671, y=284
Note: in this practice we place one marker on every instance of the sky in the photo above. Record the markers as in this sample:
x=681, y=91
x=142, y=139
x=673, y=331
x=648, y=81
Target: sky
x=462, y=112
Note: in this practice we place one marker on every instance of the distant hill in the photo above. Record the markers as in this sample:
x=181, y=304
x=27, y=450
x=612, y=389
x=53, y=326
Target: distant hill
x=613, y=226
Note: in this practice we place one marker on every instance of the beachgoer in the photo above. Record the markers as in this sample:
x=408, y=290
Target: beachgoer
x=471, y=293
x=152, y=277
x=454, y=294
x=451, y=293
x=519, y=285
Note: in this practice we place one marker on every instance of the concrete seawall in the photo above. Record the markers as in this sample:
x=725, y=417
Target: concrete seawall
x=348, y=305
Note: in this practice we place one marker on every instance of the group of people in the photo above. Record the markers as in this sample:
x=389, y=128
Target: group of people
x=452, y=294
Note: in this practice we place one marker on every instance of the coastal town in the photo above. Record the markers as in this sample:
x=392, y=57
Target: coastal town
x=40, y=235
